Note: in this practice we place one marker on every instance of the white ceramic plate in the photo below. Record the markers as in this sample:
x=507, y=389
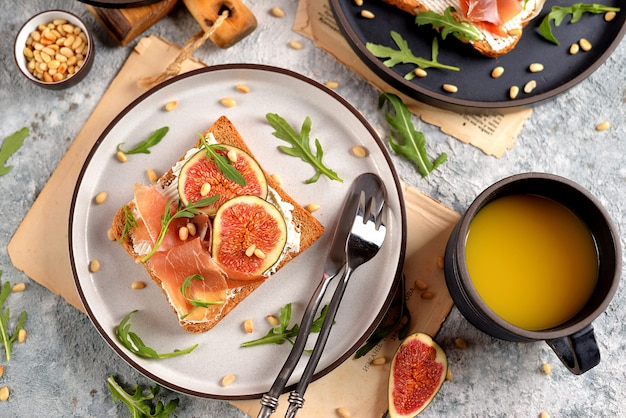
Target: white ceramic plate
x=107, y=294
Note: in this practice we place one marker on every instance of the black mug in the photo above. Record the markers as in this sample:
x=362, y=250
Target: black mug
x=573, y=341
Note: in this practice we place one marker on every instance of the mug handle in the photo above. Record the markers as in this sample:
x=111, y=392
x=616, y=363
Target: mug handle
x=579, y=352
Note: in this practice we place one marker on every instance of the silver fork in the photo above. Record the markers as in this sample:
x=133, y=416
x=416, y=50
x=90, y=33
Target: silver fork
x=366, y=237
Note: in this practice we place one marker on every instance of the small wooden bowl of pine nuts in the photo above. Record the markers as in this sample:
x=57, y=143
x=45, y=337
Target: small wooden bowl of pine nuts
x=54, y=49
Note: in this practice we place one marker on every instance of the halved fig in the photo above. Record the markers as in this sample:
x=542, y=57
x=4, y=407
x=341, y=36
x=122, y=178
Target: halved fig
x=249, y=235
x=201, y=177
x=418, y=370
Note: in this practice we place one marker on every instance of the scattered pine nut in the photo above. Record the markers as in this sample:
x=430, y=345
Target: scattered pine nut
x=603, y=126
x=343, y=412
x=535, y=67
x=530, y=86
x=101, y=197
x=277, y=178
x=585, y=45
x=379, y=361
x=277, y=12
x=440, y=262
x=169, y=106
x=450, y=88
x=574, y=48
x=242, y=88
x=151, y=175
x=228, y=102
x=544, y=414
x=360, y=151
x=228, y=379
x=513, y=92
x=295, y=45
x=4, y=393
x=358, y=2
x=232, y=155
x=313, y=207
x=366, y=14
x=449, y=374
x=205, y=189
x=18, y=287
x=21, y=336
x=609, y=16
x=183, y=233
x=421, y=284
x=259, y=253
x=420, y=72
x=192, y=229
x=460, y=343
x=331, y=84
x=94, y=266
x=247, y=326
x=497, y=72
x=514, y=32
x=137, y=285
x=1, y=371
x=272, y=320
x=121, y=157
x=427, y=295
x=250, y=250
x=110, y=234
x=546, y=368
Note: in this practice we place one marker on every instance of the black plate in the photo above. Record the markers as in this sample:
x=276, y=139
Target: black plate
x=119, y=4
x=477, y=90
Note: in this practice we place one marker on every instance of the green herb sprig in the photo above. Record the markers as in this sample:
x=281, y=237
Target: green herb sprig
x=189, y=211
x=6, y=338
x=135, y=344
x=139, y=404
x=282, y=333
x=404, y=55
x=223, y=163
x=446, y=24
x=558, y=13
x=10, y=145
x=300, y=146
x=196, y=303
x=144, y=146
x=404, y=139
x=129, y=222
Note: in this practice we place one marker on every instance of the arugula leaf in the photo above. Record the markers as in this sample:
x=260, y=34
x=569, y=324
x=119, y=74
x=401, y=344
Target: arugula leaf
x=300, y=146
x=223, y=163
x=5, y=338
x=129, y=222
x=196, y=303
x=448, y=25
x=189, y=211
x=282, y=333
x=138, y=404
x=558, y=13
x=404, y=55
x=404, y=139
x=145, y=145
x=11, y=144
x=135, y=345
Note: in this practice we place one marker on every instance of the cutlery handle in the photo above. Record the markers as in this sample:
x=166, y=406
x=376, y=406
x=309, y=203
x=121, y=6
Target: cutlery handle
x=296, y=398
x=270, y=399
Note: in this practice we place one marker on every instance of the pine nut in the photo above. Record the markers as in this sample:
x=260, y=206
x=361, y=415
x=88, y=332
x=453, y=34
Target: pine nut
x=169, y=106
x=94, y=266
x=152, y=176
x=585, y=45
x=358, y=2
x=121, y=157
x=228, y=379
x=183, y=233
x=191, y=227
x=343, y=412
x=603, y=126
x=366, y=14
x=513, y=92
x=137, y=285
x=228, y=102
x=272, y=320
x=277, y=178
x=440, y=262
x=18, y=287
x=313, y=207
x=331, y=84
x=609, y=16
x=101, y=197
x=242, y=88
x=4, y=393
x=514, y=32
x=427, y=295
x=250, y=250
x=232, y=155
x=530, y=86
x=449, y=374
x=247, y=326
x=110, y=234
x=497, y=72
x=420, y=72
x=259, y=253
x=450, y=88
x=205, y=189
x=277, y=12
x=421, y=284
x=546, y=368
x=460, y=343
x=535, y=67
x=21, y=336
x=379, y=361
x=544, y=414
x=359, y=151
x=1, y=371
x=295, y=45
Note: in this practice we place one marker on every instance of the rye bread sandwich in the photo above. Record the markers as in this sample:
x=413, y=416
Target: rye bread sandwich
x=498, y=23
x=213, y=228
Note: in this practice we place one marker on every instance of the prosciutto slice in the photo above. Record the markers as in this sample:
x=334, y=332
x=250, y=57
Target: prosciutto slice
x=491, y=14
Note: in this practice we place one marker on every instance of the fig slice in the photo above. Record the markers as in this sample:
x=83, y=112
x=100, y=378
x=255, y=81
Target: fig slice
x=249, y=235
x=418, y=370
x=200, y=171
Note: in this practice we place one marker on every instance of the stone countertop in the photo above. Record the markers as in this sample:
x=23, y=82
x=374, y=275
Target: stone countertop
x=61, y=369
